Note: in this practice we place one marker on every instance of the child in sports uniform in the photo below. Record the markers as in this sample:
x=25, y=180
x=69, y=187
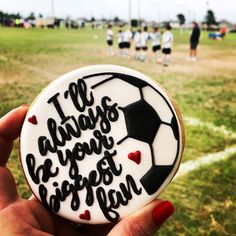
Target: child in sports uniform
x=137, y=41
x=167, y=42
x=144, y=46
x=155, y=37
x=110, y=40
x=127, y=42
x=121, y=42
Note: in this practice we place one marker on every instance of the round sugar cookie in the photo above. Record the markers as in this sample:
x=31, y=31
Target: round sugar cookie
x=99, y=143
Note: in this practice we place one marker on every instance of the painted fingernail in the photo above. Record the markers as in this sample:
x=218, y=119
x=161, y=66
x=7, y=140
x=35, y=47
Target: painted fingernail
x=162, y=212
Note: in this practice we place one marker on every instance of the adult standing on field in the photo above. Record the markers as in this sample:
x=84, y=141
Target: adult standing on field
x=194, y=40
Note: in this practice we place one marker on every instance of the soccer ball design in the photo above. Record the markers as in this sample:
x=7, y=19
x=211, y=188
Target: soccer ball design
x=100, y=143
x=148, y=123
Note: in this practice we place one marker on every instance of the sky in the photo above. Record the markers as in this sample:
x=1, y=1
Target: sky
x=157, y=10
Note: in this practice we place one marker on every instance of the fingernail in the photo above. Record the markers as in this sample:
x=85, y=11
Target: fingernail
x=162, y=212
x=24, y=105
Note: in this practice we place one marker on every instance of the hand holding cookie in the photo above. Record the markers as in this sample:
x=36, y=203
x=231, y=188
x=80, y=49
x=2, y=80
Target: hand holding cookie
x=97, y=147
x=29, y=217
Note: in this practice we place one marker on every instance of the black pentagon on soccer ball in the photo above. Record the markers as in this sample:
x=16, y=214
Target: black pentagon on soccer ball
x=142, y=121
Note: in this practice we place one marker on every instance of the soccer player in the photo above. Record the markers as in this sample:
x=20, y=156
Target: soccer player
x=121, y=42
x=155, y=37
x=137, y=41
x=127, y=42
x=144, y=41
x=110, y=40
x=167, y=43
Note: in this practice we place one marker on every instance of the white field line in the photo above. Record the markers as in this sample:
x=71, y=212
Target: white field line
x=221, y=129
x=189, y=166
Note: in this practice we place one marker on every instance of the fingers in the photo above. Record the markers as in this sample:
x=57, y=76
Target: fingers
x=43, y=217
x=5, y=150
x=142, y=223
x=62, y=226
x=10, y=127
x=101, y=229
x=146, y=221
x=36, y=232
x=8, y=192
x=10, y=124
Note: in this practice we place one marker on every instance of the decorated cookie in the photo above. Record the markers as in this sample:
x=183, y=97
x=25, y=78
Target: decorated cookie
x=99, y=143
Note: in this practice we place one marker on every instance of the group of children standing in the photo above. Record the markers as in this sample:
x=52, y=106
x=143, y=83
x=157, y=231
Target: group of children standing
x=141, y=38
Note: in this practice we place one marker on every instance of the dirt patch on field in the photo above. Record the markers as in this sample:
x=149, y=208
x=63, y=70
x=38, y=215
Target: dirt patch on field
x=210, y=63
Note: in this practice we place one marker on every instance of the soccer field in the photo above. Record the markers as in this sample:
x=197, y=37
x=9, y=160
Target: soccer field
x=205, y=91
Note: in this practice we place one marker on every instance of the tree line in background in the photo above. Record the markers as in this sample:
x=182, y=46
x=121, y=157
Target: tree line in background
x=6, y=19
x=209, y=19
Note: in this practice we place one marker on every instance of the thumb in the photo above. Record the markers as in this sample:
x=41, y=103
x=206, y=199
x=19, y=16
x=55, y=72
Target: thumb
x=11, y=123
x=10, y=127
x=145, y=221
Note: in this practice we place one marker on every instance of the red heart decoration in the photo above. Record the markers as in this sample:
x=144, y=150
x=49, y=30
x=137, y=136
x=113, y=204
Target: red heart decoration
x=85, y=215
x=33, y=120
x=135, y=156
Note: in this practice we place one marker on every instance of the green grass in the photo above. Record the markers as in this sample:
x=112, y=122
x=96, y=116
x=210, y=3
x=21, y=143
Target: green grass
x=210, y=98
x=204, y=199
x=16, y=93
x=201, y=141
x=59, y=51
x=15, y=166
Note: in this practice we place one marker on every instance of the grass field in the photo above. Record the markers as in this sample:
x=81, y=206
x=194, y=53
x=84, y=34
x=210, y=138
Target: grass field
x=205, y=199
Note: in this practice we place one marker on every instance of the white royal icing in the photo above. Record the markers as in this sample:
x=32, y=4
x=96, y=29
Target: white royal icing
x=138, y=131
